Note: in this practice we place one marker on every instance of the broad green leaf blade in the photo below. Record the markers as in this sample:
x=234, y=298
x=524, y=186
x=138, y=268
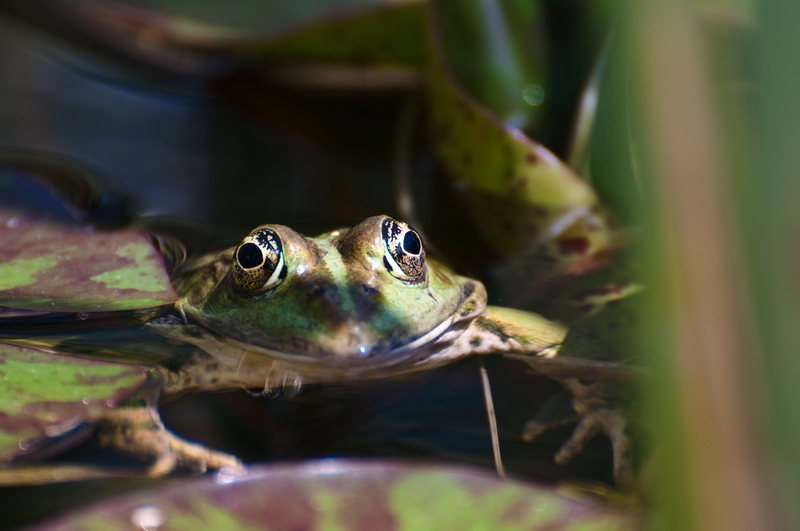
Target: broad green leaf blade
x=496, y=51
x=362, y=31
x=522, y=198
x=59, y=267
x=43, y=392
x=347, y=494
x=386, y=35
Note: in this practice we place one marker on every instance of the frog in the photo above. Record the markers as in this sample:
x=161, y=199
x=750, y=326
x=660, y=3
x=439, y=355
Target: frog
x=281, y=310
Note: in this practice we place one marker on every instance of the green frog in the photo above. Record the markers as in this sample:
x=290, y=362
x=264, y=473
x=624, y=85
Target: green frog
x=281, y=310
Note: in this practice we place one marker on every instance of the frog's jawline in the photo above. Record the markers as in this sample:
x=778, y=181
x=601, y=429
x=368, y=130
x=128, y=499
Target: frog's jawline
x=405, y=356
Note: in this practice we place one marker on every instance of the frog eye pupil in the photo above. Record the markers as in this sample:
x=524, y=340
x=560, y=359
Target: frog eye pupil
x=250, y=256
x=411, y=243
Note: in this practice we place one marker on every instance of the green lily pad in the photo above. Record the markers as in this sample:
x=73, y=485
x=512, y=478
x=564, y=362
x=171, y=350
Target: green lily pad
x=339, y=494
x=43, y=393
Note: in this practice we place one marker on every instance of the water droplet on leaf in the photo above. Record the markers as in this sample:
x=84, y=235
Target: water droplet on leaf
x=533, y=94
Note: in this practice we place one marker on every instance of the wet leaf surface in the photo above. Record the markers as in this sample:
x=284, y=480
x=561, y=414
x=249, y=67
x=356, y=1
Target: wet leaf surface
x=59, y=267
x=348, y=494
x=43, y=393
x=53, y=254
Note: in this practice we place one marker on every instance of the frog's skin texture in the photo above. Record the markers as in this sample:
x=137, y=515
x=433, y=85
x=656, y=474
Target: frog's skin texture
x=282, y=310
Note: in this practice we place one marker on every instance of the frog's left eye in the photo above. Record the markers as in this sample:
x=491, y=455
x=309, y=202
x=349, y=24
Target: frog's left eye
x=258, y=261
x=405, y=255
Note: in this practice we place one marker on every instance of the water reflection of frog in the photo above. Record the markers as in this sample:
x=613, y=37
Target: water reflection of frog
x=282, y=310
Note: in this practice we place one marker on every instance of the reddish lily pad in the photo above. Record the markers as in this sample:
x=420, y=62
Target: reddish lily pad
x=60, y=267
x=348, y=494
x=44, y=393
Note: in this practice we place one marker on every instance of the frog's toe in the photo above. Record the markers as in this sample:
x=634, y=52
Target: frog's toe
x=612, y=422
x=138, y=431
x=562, y=409
x=557, y=411
x=197, y=457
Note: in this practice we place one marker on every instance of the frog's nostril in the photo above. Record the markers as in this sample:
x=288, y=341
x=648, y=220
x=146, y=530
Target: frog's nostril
x=317, y=291
x=370, y=289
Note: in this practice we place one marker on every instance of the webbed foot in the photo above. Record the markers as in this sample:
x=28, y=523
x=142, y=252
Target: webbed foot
x=564, y=409
x=139, y=431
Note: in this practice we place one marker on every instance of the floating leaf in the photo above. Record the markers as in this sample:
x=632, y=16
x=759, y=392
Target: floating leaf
x=59, y=267
x=348, y=494
x=43, y=393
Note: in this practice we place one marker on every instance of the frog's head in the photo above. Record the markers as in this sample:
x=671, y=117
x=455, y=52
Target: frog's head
x=359, y=297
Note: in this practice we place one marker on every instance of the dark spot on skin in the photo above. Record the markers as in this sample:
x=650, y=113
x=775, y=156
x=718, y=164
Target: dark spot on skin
x=493, y=328
x=475, y=341
x=577, y=245
x=586, y=308
x=466, y=158
x=586, y=382
x=507, y=226
x=316, y=291
x=531, y=158
x=467, y=308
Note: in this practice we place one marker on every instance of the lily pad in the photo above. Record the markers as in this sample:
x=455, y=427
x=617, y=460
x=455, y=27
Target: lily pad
x=58, y=267
x=45, y=394
x=53, y=254
x=348, y=494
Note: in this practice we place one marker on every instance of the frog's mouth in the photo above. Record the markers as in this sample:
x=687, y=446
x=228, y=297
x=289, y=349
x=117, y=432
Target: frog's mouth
x=364, y=359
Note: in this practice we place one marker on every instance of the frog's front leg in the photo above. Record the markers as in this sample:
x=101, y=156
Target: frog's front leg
x=579, y=363
x=134, y=427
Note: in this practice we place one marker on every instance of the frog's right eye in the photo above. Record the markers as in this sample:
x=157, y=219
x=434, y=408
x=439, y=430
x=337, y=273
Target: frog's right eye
x=258, y=260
